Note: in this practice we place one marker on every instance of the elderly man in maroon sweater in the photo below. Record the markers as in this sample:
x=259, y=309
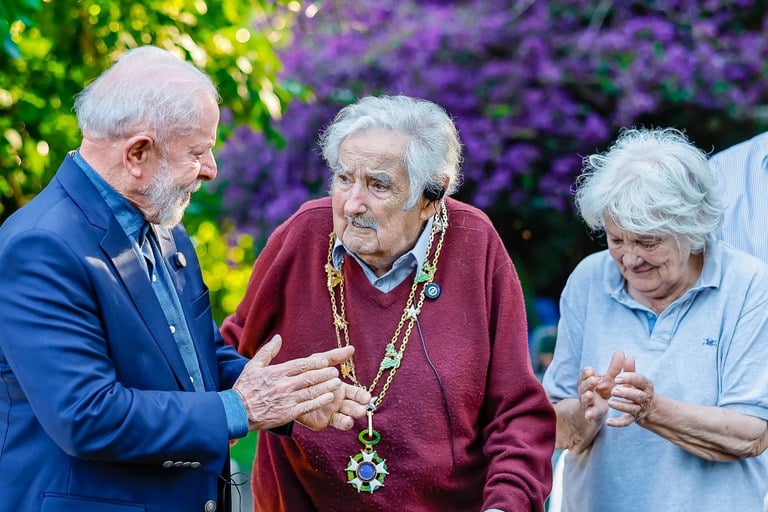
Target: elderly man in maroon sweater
x=423, y=288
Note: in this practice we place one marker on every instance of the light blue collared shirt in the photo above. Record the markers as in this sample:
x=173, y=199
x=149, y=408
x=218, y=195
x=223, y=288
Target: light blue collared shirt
x=401, y=268
x=132, y=221
x=741, y=179
x=707, y=347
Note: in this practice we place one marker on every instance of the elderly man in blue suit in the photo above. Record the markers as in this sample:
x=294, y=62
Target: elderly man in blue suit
x=116, y=390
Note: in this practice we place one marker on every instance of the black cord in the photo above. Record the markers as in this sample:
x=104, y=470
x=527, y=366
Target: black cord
x=235, y=480
x=444, y=398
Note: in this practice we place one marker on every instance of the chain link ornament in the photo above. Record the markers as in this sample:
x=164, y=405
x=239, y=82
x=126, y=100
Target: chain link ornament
x=366, y=470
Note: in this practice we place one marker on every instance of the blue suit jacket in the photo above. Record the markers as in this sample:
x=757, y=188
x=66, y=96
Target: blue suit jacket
x=97, y=412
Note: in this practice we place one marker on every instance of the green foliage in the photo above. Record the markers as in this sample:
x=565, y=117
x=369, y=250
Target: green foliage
x=51, y=48
x=243, y=451
x=226, y=259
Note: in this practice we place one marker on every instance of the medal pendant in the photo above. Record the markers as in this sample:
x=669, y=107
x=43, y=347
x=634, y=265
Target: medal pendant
x=366, y=471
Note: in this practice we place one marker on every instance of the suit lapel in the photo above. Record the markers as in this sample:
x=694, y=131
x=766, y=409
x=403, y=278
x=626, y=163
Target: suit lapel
x=119, y=250
x=134, y=278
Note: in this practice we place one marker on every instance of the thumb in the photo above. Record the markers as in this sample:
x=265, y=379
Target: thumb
x=268, y=352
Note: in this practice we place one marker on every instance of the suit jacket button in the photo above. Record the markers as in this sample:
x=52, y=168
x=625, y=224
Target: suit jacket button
x=168, y=464
x=210, y=506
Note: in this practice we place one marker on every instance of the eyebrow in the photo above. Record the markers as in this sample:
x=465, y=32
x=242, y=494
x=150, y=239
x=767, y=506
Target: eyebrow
x=338, y=169
x=382, y=177
x=637, y=239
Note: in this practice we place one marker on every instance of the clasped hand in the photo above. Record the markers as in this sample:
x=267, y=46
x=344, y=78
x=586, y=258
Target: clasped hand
x=307, y=390
x=620, y=388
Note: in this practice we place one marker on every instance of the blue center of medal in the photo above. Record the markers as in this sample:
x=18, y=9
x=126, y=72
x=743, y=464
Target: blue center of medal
x=366, y=471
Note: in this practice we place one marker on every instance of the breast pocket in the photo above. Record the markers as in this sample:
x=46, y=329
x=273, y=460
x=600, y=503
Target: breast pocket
x=53, y=503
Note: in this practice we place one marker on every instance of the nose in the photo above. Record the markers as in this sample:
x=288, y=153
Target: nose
x=208, y=168
x=631, y=259
x=355, y=202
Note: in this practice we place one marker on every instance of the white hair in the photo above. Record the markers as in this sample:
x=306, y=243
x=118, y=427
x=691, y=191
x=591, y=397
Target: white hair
x=651, y=181
x=148, y=88
x=432, y=154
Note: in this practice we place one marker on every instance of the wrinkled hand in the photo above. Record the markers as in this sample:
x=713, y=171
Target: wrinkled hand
x=633, y=396
x=274, y=395
x=349, y=403
x=595, y=390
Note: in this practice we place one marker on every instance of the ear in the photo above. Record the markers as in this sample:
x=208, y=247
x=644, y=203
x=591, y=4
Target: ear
x=446, y=181
x=431, y=197
x=426, y=208
x=137, y=151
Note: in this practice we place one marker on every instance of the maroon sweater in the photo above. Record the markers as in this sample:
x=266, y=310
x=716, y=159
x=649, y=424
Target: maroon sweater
x=496, y=451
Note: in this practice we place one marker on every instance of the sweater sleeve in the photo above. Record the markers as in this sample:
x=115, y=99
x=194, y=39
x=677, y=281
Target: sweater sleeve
x=519, y=431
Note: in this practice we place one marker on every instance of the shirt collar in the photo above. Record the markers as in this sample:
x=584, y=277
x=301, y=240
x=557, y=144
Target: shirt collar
x=712, y=271
x=758, y=146
x=129, y=218
x=414, y=257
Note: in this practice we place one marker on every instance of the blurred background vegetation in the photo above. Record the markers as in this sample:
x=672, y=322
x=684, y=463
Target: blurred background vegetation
x=533, y=85
x=52, y=48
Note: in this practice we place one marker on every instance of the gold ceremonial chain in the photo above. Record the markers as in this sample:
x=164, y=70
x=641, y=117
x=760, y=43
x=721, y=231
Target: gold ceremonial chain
x=366, y=470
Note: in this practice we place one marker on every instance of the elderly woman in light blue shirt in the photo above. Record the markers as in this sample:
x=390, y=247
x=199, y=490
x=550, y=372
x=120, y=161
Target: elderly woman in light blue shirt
x=659, y=375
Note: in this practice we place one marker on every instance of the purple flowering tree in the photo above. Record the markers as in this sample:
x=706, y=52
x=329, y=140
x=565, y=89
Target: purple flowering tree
x=533, y=87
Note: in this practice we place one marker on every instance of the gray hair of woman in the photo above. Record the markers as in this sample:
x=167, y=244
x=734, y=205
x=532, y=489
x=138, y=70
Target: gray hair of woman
x=651, y=181
x=433, y=152
x=147, y=89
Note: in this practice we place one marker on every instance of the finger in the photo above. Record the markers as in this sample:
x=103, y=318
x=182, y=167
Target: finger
x=616, y=364
x=316, y=361
x=264, y=356
x=308, y=406
x=623, y=405
x=273, y=383
x=311, y=391
x=357, y=394
x=632, y=379
x=336, y=355
x=587, y=400
x=630, y=394
x=629, y=364
x=344, y=423
x=324, y=379
x=587, y=384
x=341, y=421
x=593, y=412
x=352, y=409
x=621, y=421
